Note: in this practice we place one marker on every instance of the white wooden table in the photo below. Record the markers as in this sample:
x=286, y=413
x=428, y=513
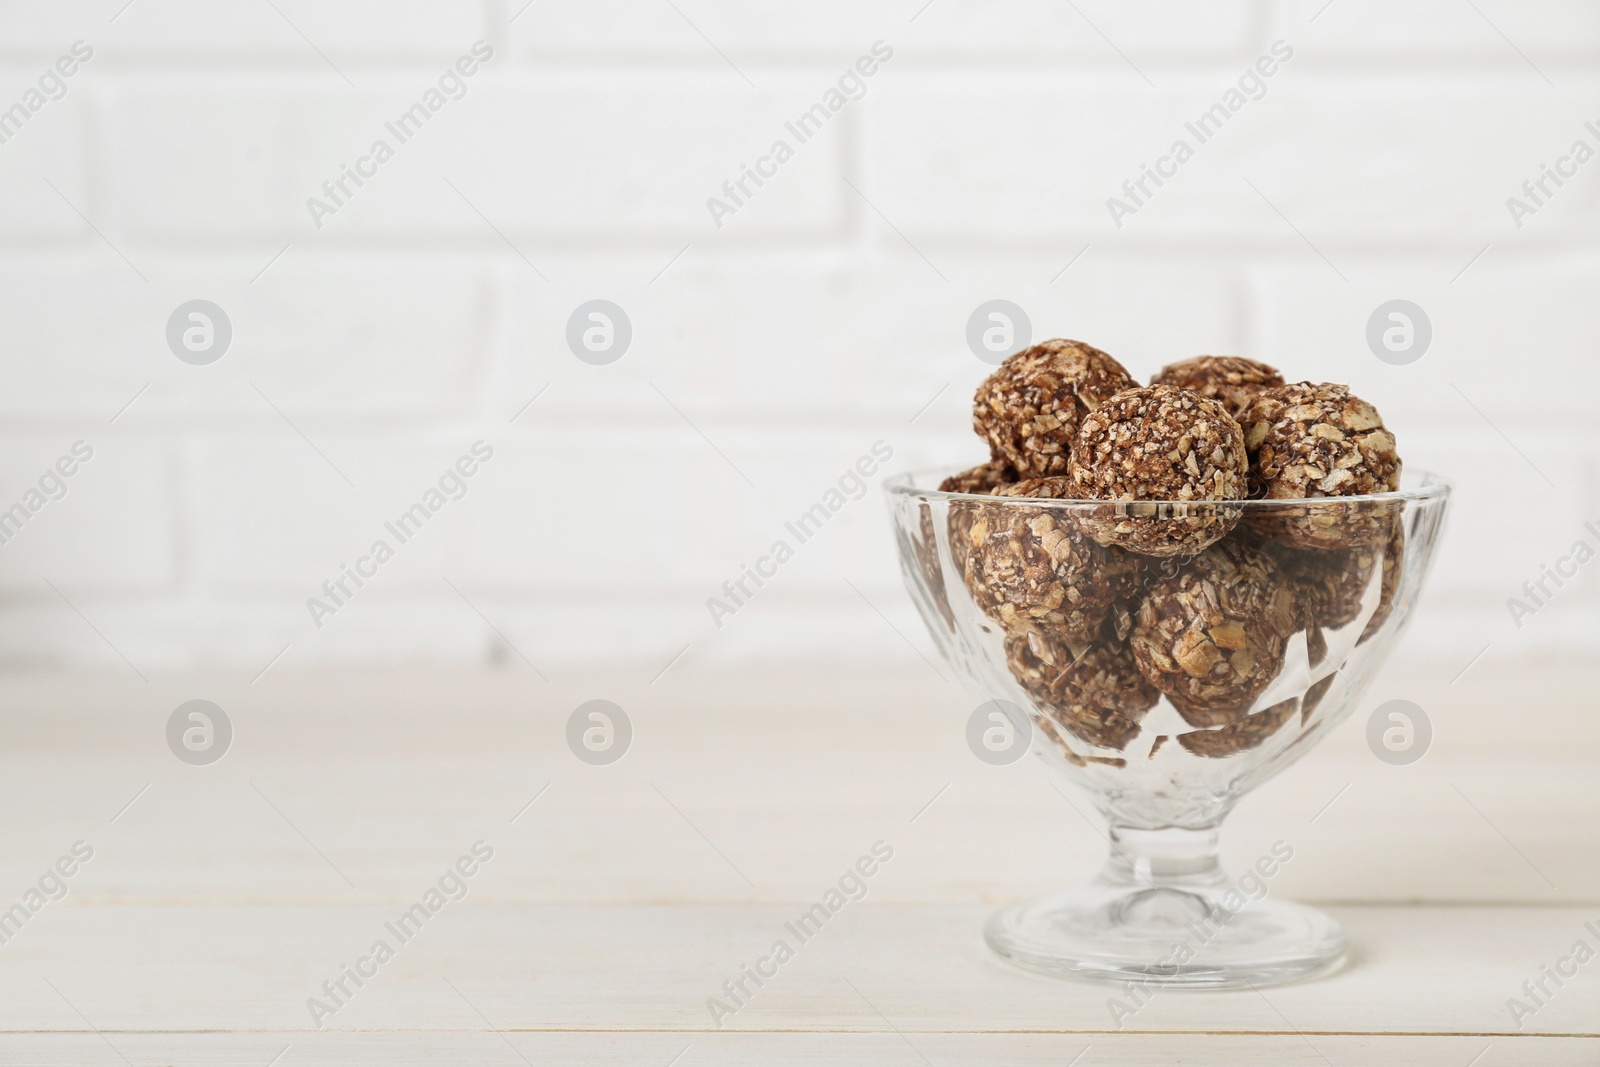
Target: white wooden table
x=220, y=898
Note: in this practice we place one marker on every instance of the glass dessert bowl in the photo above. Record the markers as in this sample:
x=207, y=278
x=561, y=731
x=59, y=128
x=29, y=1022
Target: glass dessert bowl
x=1168, y=686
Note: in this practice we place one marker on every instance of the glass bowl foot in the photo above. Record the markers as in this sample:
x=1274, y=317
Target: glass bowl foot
x=1163, y=937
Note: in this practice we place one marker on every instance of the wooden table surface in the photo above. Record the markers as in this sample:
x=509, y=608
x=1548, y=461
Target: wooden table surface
x=219, y=899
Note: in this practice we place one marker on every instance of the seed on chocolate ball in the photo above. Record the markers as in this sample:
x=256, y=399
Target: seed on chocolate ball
x=1032, y=565
x=984, y=478
x=1230, y=380
x=1245, y=734
x=1212, y=637
x=1097, y=696
x=1163, y=454
x=1029, y=408
x=1311, y=442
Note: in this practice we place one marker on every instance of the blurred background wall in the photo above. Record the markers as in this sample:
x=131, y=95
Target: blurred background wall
x=774, y=340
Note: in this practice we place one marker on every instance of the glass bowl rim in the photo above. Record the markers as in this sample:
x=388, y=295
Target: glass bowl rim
x=1429, y=485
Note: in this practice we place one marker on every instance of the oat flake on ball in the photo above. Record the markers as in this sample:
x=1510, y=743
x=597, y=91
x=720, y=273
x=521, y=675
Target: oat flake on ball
x=1232, y=381
x=1029, y=408
x=1162, y=453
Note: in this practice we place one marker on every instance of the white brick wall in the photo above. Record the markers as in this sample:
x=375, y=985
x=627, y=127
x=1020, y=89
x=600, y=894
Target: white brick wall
x=371, y=352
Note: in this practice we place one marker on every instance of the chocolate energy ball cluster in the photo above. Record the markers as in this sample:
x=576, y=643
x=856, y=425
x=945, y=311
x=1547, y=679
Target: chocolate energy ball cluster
x=1134, y=577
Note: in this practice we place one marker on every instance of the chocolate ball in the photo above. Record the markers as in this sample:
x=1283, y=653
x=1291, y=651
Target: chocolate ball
x=1098, y=696
x=1232, y=381
x=1164, y=454
x=1033, y=566
x=1310, y=442
x=1029, y=408
x=1212, y=637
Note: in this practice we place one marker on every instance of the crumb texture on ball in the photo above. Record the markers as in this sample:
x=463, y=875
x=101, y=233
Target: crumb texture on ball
x=1029, y=408
x=1159, y=445
x=1232, y=381
x=1212, y=636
